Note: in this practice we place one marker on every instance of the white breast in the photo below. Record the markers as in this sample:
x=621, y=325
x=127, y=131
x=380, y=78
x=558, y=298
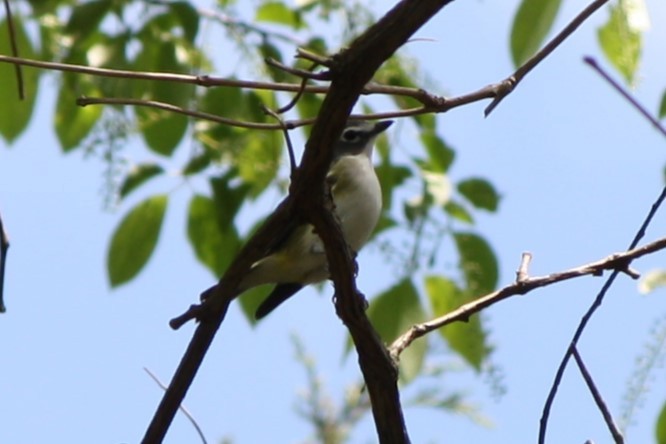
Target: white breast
x=357, y=197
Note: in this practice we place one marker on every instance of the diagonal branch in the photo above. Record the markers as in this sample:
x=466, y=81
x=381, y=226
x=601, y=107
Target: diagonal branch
x=598, y=399
x=617, y=262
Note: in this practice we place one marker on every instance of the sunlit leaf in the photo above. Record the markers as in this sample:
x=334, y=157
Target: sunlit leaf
x=134, y=240
x=391, y=176
x=214, y=246
x=480, y=193
x=137, y=176
x=392, y=313
x=15, y=113
x=466, y=338
x=278, y=12
x=457, y=211
x=72, y=122
x=652, y=280
x=531, y=25
x=162, y=130
x=438, y=186
x=478, y=263
x=621, y=37
x=440, y=156
x=228, y=199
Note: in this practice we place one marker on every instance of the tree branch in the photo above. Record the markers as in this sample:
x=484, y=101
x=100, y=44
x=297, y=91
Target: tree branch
x=618, y=262
x=4, y=247
x=586, y=318
x=598, y=399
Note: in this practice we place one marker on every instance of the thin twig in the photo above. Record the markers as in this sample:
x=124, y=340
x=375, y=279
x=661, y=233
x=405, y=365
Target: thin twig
x=505, y=87
x=315, y=58
x=599, y=299
x=302, y=73
x=285, y=131
x=523, y=274
x=232, y=22
x=4, y=247
x=14, y=46
x=181, y=407
x=299, y=94
x=543, y=423
x=623, y=91
x=616, y=262
x=85, y=101
x=598, y=399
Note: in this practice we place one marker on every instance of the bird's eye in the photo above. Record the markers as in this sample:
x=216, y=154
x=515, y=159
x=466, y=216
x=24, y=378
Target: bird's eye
x=350, y=135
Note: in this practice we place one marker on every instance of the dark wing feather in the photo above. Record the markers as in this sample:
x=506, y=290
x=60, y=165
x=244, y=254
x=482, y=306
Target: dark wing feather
x=280, y=293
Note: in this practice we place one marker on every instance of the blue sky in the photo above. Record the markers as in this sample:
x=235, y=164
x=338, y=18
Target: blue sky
x=577, y=168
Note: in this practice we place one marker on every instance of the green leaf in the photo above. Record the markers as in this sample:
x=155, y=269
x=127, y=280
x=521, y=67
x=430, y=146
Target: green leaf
x=621, y=37
x=197, y=164
x=531, y=25
x=278, y=12
x=480, y=193
x=468, y=338
x=458, y=211
x=214, y=246
x=137, y=176
x=392, y=313
x=258, y=159
x=660, y=429
x=86, y=18
x=72, y=122
x=662, y=106
x=440, y=156
x=477, y=262
x=15, y=113
x=135, y=239
x=162, y=130
x=188, y=17
x=391, y=176
x=228, y=199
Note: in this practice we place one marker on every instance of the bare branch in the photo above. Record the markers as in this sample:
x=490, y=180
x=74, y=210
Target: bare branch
x=4, y=247
x=285, y=132
x=522, y=274
x=623, y=91
x=598, y=399
x=505, y=87
x=305, y=74
x=588, y=315
x=181, y=407
x=85, y=101
x=616, y=262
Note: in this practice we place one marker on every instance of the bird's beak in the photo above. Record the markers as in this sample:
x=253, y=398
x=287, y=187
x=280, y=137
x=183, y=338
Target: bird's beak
x=381, y=126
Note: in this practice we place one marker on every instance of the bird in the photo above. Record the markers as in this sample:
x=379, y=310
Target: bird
x=357, y=201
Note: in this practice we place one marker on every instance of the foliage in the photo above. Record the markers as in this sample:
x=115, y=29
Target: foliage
x=240, y=165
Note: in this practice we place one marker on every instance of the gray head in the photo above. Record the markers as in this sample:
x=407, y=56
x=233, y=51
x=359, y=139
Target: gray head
x=359, y=137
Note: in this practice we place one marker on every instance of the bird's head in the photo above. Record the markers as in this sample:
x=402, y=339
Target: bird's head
x=359, y=136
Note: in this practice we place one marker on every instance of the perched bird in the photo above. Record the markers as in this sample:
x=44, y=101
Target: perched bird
x=301, y=259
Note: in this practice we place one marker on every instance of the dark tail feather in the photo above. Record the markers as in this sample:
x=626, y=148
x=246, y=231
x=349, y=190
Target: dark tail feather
x=280, y=293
